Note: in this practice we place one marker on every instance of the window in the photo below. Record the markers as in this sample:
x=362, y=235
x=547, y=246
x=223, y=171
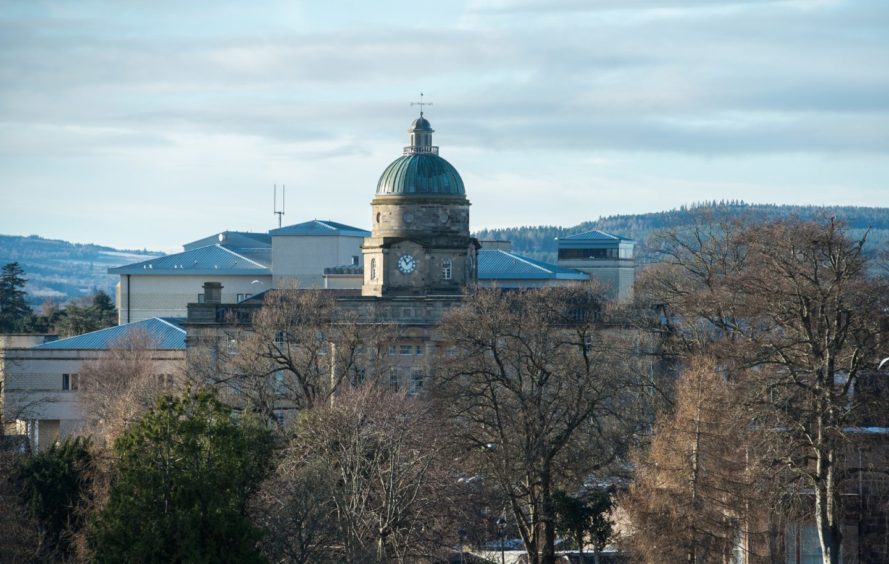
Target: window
x=393, y=379
x=420, y=350
x=200, y=298
x=446, y=269
x=359, y=375
x=373, y=269
x=239, y=298
x=583, y=254
x=164, y=380
x=70, y=382
x=279, y=383
x=280, y=338
x=417, y=377
x=406, y=350
x=355, y=259
x=392, y=350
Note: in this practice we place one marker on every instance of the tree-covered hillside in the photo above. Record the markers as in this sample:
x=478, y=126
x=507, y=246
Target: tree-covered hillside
x=61, y=271
x=540, y=241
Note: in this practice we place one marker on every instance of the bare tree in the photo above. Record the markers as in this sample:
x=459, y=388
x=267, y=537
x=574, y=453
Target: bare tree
x=123, y=383
x=540, y=393
x=795, y=302
x=297, y=351
x=364, y=479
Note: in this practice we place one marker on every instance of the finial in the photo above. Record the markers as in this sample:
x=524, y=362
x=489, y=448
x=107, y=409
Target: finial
x=421, y=103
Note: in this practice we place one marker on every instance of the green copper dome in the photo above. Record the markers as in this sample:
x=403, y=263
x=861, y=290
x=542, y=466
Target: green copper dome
x=420, y=174
x=420, y=171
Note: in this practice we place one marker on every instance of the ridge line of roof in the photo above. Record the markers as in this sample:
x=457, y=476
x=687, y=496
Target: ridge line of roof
x=162, y=320
x=240, y=256
x=524, y=260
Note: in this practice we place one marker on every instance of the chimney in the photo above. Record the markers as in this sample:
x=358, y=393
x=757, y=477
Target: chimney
x=212, y=293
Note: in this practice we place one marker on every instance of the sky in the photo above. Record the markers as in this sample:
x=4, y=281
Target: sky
x=149, y=124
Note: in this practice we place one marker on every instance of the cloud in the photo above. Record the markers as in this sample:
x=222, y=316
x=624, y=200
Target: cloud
x=229, y=95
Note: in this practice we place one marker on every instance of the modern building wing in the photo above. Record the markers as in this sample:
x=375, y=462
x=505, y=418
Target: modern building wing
x=43, y=384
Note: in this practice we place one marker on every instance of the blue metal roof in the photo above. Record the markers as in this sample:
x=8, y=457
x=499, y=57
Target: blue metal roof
x=421, y=174
x=321, y=227
x=595, y=235
x=214, y=260
x=167, y=333
x=495, y=264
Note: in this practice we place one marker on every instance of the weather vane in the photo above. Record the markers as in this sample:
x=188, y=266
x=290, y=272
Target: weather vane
x=421, y=103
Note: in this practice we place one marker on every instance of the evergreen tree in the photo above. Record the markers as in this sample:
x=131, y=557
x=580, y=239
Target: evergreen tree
x=52, y=484
x=585, y=515
x=14, y=310
x=183, y=475
x=103, y=311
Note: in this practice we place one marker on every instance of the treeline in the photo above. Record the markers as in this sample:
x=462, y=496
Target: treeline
x=61, y=271
x=74, y=318
x=540, y=241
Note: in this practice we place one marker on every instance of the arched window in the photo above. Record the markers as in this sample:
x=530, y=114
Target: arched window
x=446, y=269
x=373, y=269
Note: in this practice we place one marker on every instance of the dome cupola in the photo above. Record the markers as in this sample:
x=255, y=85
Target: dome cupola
x=420, y=170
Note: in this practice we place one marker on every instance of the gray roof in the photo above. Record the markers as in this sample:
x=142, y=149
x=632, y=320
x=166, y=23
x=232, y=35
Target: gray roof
x=167, y=333
x=236, y=240
x=495, y=264
x=213, y=260
x=318, y=227
x=594, y=235
x=355, y=269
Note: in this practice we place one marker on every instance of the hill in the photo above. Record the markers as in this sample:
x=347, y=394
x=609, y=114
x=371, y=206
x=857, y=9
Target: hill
x=60, y=271
x=539, y=241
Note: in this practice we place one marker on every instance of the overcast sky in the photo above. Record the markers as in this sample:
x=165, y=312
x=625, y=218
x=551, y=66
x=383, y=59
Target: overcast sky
x=151, y=124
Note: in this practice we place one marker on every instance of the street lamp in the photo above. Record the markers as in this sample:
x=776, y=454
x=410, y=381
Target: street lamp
x=501, y=528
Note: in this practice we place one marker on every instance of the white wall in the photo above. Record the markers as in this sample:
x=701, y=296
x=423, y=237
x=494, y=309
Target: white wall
x=168, y=295
x=300, y=260
x=32, y=391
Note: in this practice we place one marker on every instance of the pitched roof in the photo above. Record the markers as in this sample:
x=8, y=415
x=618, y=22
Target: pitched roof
x=166, y=332
x=318, y=227
x=233, y=240
x=214, y=260
x=496, y=264
x=594, y=235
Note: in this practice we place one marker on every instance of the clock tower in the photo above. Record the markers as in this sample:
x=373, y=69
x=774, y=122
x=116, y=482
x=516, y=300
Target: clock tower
x=420, y=243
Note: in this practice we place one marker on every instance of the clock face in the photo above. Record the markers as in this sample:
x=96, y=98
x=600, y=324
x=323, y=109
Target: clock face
x=407, y=264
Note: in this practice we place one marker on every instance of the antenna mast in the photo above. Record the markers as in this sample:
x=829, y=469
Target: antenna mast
x=279, y=213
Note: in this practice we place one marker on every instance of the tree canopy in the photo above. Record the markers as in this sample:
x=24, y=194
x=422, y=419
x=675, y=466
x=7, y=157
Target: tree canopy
x=14, y=310
x=182, y=478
